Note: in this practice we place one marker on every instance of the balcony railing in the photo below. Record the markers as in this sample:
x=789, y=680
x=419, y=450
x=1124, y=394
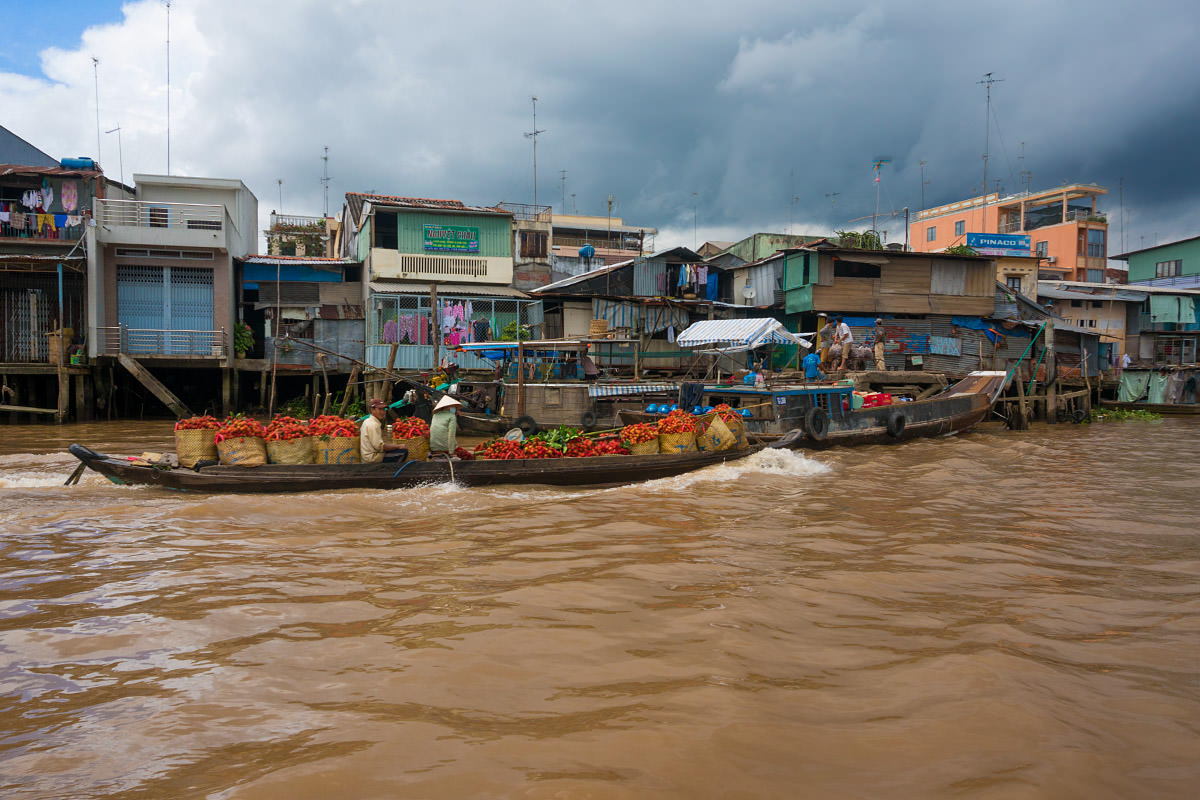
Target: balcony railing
x=1032, y=223
x=172, y=216
x=169, y=343
x=529, y=212
x=43, y=227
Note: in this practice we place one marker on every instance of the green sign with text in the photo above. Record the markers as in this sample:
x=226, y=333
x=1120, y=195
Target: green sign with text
x=451, y=239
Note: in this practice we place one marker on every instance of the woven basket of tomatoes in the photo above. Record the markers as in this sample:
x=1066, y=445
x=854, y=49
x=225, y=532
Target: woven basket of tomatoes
x=677, y=433
x=289, y=441
x=240, y=442
x=641, y=439
x=195, y=439
x=413, y=433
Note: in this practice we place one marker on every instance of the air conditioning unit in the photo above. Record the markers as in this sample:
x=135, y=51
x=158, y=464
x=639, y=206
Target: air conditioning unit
x=1050, y=259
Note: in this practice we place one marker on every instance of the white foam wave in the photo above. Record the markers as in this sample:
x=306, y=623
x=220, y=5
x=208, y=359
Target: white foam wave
x=36, y=459
x=31, y=480
x=765, y=462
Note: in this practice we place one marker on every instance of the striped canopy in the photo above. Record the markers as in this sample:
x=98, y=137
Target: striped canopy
x=734, y=335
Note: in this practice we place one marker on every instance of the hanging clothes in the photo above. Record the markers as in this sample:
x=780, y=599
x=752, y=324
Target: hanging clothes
x=17, y=219
x=70, y=196
x=683, y=275
x=1157, y=391
x=671, y=334
x=47, y=195
x=32, y=198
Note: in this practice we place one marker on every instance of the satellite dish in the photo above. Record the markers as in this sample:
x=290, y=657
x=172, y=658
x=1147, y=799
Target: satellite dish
x=748, y=293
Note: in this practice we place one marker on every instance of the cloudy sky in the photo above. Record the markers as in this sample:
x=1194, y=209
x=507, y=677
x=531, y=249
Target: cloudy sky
x=725, y=117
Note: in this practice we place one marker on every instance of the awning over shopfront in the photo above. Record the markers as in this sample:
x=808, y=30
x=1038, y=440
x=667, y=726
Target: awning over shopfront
x=736, y=335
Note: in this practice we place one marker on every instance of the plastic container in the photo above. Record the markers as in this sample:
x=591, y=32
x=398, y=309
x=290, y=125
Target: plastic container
x=652, y=408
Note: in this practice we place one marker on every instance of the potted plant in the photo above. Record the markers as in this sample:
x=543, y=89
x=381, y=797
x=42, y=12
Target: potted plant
x=243, y=339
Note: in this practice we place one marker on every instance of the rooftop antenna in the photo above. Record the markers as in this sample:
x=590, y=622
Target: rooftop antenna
x=987, y=82
x=168, y=3
x=832, y=198
x=792, y=212
x=325, y=178
x=1121, y=194
x=564, y=191
x=96, y=76
x=695, y=240
x=120, y=150
x=280, y=182
x=533, y=135
x=877, y=166
x=1026, y=175
x=608, y=241
x=924, y=183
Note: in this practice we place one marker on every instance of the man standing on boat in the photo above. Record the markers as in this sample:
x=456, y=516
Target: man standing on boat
x=880, y=341
x=825, y=338
x=372, y=449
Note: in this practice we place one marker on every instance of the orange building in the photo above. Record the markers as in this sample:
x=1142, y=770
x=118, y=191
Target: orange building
x=1067, y=233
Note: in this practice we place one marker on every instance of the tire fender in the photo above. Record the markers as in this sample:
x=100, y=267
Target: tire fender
x=816, y=423
x=896, y=424
x=588, y=419
x=1079, y=416
x=527, y=424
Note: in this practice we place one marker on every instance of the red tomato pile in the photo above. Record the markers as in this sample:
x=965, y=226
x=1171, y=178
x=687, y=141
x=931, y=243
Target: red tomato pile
x=678, y=421
x=536, y=448
x=238, y=427
x=206, y=422
x=504, y=449
x=726, y=413
x=410, y=428
x=285, y=429
x=331, y=426
x=640, y=433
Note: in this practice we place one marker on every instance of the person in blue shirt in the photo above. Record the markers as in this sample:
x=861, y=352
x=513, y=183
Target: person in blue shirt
x=812, y=367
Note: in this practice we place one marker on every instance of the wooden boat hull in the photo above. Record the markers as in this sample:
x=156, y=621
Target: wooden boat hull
x=1184, y=409
x=272, y=478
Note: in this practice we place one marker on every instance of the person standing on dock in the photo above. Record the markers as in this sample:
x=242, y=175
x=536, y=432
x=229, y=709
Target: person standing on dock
x=372, y=449
x=880, y=341
x=824, y=338
x=845, y=338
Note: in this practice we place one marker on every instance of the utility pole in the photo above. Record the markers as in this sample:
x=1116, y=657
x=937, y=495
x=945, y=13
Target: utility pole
x=924, y=183
x=96, y=76
x=533, y=135
x=168, y=2
x=324, y=179
x=987, y=82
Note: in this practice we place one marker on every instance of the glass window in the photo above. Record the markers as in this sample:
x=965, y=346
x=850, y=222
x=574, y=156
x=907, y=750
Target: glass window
x=931, y=233
x=1097, y=243
x=1095, y=276
x=960, y=227
x=1014, y=282
x=1168, y=269
x=1043, y=249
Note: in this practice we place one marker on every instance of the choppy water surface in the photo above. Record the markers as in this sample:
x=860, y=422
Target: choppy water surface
x=994, y=615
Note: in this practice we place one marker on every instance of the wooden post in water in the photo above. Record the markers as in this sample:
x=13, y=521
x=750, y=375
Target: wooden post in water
x=351, y=386
x=520, y=373
x=435, y=327
x=1051, y=383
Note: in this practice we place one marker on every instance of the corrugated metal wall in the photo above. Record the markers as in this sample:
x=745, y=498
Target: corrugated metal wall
x=651, y=279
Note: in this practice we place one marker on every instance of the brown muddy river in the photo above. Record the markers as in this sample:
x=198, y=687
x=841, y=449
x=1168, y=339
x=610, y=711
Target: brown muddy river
x=994, y=615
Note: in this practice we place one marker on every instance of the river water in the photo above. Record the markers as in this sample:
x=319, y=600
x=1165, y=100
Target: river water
x=992, y=615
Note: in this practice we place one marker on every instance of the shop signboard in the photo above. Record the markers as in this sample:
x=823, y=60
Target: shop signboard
x=1000, y=244
x=452, y=239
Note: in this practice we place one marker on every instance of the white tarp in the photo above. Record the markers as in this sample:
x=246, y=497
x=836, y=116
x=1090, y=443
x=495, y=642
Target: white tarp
x=736, y=335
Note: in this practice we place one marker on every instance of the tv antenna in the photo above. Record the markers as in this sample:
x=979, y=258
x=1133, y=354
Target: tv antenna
x=168, y=4
x=324, y=179
x=564, y=191
x=120, y=150
x=924, y=183
x=987, y=82
x=877, y=167
x=832, y=197
x=96, y=76
x=533, y=135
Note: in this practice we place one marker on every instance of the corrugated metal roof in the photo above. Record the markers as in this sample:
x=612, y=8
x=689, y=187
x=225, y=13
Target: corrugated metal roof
x=424, y=204
x=574, y=279
x=742, y=333
x=18, y=169
x=456, y=289
x=1111, y=287
x=315, y=261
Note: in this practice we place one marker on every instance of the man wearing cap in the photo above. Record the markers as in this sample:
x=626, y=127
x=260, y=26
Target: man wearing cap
x=443, y=426
x=880, y=341
x=372, y=449
x=824, y=338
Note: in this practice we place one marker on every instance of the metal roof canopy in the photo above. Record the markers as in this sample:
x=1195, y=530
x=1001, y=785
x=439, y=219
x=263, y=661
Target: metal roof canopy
x=738, y=335
x=450, y=289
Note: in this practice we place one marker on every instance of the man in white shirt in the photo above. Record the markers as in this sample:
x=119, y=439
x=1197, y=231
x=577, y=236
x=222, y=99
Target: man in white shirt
x=371, y=446
x=845, y=338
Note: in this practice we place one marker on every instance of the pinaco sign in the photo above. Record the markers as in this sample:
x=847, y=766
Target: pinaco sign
x=1000, y=244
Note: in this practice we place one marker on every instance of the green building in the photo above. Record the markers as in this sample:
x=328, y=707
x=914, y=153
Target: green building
x=1173, y=264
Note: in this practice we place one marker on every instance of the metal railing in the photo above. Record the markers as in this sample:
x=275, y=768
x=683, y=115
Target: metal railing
x=296, y=221
x=529, y=212
x=39, y=228
x=1044, y=221
x=176, y=216
x=153, y=342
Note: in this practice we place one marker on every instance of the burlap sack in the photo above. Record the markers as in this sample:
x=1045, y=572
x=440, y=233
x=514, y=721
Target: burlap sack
x=292, y=451
x=418, y=447
x=195, y=445
x=243, y=451
x=649, y=448
x=337, y=450
x=736, y=426
x=676, y=443
x=716, y=437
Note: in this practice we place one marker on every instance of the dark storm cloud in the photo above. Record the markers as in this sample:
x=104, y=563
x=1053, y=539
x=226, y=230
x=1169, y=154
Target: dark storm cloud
x=746, y=105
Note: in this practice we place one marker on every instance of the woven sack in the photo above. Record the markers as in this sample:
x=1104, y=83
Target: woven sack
x=676, y=443
x=736, y=426
x=649, y=448
x=243, y=451
x=292, y=451
x=716, y=437
x=195, y=445
x=418, y=447
x=337, y=450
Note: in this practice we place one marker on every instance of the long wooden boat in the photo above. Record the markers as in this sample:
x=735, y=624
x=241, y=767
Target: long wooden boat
x=819, y=411
x=1184, y=409
x=271, y=478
